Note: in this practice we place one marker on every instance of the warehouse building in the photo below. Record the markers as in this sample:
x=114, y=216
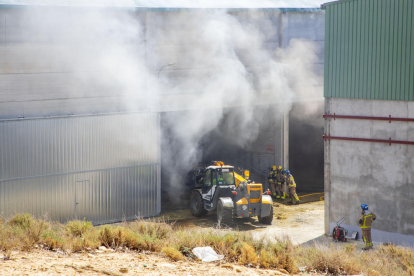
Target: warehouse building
x=369, y=116
x=80, y=136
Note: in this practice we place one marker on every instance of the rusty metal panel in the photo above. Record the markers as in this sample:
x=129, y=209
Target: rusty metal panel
x=100, y=168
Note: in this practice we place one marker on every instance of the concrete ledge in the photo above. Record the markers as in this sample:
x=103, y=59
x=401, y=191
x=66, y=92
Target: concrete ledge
x=378, y=236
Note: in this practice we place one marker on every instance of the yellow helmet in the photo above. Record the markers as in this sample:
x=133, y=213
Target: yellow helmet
x=273, y=168
x=280, y=167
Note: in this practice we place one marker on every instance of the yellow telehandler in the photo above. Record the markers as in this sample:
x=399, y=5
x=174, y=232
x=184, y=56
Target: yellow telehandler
x=218, y=187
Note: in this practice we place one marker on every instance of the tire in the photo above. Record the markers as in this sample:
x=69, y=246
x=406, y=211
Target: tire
x=197, y=205
x=268, y=219
x=224, y=215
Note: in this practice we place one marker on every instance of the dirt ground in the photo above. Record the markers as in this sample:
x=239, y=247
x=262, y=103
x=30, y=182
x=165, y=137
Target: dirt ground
x=303, y=223
x=42, y=262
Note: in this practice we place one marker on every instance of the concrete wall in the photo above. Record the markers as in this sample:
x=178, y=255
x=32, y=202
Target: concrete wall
x=377, y=174
x=53, y=60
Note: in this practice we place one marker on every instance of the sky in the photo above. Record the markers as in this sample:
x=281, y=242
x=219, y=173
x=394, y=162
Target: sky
x=176, y=3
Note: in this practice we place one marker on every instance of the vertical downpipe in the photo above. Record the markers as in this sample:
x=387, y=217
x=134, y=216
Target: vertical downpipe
x=286, y=136
x=285, y=119
x=282, y=154
x=327, y=169
x=159, y=166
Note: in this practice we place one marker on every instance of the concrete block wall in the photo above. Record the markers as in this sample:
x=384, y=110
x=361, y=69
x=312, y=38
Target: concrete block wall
x=377, y=174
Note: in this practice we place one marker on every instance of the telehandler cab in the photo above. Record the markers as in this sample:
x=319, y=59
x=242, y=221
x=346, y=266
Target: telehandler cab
x=219, y=187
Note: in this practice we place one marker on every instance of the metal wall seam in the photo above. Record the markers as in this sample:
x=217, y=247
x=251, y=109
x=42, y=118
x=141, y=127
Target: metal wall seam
x=159, y=165
x=398, y=73
x=367, y=50
x=371, y=54
x=394, y=14
x=49, y=153
x=336, y=54
x=384, y=50
x=341, y=26
x=63, y=149
x=326, y=55
x=408, y=54
x=349, y=14
x=376, y=47
x=370, y=45
x=411, y=94
x=355, y=44
x=401, y=49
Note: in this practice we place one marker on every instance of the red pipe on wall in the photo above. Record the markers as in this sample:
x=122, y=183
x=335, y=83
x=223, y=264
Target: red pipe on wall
x=326, y=137
x=334, y=116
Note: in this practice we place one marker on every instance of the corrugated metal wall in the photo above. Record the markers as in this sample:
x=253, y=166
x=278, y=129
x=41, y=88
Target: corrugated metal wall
x=102, y=168
x=369, y=49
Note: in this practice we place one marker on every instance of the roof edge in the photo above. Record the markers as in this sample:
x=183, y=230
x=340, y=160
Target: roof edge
x=172, y=9
x=323, y=6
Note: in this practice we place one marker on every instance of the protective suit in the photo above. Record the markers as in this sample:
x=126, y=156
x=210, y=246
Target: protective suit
x=365, y=222
x=290, y=181
x=280, y=179
x=272, y=180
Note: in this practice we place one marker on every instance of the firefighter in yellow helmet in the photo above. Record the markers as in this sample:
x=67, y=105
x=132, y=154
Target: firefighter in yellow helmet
x=280, y=179
x=272, y=180
x=365, y=222
x=290, y=181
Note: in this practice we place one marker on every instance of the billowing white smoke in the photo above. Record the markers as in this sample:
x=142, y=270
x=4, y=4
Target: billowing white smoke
x=219, y=60
x=233, y=67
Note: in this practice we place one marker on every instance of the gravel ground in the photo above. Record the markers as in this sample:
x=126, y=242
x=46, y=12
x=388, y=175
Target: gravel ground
x=42, y=262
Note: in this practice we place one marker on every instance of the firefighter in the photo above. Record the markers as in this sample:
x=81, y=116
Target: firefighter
x=290, y=181
x=219, y=178
x=365, y=222
x=272, y=180
x=280, y=179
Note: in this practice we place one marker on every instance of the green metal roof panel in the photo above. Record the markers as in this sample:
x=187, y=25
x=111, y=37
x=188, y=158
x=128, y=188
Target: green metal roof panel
x=369, y=49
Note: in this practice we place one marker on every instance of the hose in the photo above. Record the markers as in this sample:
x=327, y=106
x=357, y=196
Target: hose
x=315, y=194
x=312, y=194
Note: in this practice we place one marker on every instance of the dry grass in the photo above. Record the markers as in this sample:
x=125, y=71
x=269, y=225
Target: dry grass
x=23, y=232
x=172, y=253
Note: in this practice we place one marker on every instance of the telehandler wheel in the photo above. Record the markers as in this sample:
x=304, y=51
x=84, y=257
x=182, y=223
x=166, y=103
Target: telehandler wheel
x=268, y=219
x=224, y=215
x=196, y=205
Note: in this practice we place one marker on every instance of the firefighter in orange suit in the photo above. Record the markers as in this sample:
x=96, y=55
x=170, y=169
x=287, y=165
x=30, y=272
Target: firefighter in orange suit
x=290, y=181
x=365, y=222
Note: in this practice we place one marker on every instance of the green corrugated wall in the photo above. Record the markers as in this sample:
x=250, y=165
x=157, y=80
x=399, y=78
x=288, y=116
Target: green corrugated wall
x=369, y=49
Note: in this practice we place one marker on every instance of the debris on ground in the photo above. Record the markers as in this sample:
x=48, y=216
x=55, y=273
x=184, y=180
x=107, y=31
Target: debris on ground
x=207, y=254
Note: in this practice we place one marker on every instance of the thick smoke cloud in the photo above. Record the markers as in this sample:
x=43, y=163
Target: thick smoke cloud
x=220, y=60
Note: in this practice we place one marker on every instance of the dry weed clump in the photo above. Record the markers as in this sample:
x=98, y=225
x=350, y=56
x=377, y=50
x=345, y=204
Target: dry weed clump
x=247, y=255
x=53, y=238
x=23, y=232
x=151, y=238
x=77, y=228
x=172, y=253
x=329, y=259
x=390, y=260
